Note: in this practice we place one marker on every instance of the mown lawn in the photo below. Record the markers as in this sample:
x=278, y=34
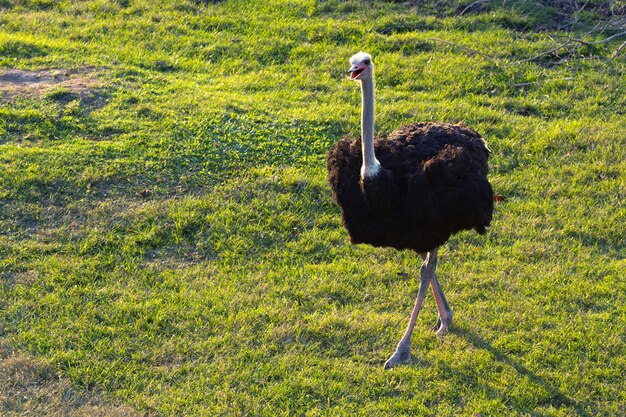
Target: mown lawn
x=169, y=246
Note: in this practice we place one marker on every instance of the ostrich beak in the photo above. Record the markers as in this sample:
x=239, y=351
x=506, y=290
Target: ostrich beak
x=355, y=71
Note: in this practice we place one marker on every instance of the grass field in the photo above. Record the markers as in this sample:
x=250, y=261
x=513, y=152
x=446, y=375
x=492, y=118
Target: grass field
x=169, y=246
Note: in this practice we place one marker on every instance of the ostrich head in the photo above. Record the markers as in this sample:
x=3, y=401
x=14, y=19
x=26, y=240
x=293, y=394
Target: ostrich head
x=362, y=66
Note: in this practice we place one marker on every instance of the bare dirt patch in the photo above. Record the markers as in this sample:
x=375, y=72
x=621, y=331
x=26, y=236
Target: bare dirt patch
x=34, y=84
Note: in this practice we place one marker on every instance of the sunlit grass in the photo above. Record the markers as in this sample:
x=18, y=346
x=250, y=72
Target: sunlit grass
x=168, y=240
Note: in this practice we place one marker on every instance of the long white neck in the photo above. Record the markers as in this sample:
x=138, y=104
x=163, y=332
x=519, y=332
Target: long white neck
x=370, y=166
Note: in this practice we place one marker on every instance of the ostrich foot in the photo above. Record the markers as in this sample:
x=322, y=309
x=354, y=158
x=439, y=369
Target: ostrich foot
x=441, y=327
x=437, y=325
x=401, y=355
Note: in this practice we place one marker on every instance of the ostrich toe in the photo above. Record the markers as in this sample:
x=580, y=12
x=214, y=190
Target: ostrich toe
x=401, y=355
x=441, y=326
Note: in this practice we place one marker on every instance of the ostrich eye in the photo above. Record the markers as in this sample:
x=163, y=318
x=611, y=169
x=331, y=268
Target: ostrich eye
x=367, y=62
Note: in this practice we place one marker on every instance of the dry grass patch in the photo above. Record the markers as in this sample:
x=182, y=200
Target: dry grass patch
x=58, y=82
x=29, y=387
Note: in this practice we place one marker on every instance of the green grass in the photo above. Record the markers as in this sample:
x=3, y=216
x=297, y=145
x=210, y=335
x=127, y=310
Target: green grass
x=168, y=241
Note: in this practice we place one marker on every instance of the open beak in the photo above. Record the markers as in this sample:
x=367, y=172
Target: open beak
x=355, y=71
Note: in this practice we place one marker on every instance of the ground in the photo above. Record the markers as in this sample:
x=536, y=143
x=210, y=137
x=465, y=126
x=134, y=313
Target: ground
x=169, y=245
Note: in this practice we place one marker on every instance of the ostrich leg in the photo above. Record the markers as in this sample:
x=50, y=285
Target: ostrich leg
x=427, y=272
x=445, y=313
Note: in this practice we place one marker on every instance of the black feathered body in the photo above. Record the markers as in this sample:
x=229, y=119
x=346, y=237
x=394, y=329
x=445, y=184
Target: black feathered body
x=433, y=183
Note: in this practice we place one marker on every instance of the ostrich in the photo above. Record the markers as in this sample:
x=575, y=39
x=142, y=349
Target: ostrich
x=410, y=190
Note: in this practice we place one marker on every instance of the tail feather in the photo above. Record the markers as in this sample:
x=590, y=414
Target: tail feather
x=482, y=229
